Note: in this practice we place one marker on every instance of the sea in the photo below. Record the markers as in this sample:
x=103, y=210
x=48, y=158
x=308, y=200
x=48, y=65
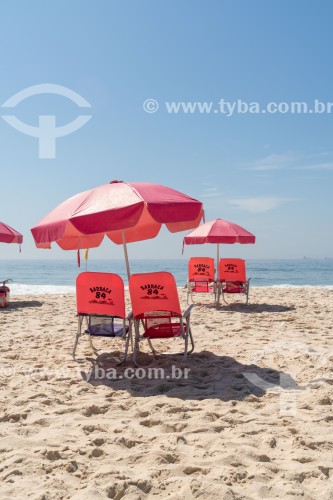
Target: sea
x=36, y=277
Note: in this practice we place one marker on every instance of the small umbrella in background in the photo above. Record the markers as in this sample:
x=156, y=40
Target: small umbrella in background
x=9, y=235
x=218, y=231
x=125, y=212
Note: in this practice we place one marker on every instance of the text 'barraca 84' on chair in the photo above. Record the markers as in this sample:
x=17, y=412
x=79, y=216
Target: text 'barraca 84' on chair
x=124, y=212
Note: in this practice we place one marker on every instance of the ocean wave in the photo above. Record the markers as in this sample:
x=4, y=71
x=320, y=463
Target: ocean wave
x=18, y=289
x=287, y=285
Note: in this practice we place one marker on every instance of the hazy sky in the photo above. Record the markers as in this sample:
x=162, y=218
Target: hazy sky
x=270, y=172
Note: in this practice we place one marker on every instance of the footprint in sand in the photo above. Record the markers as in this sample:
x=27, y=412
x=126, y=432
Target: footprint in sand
x=95, y=410
x=96, y=452
x=167, y=458
x=126, y=442
x=99, y=441
x=143, y=414
x=149, y=423
x=175, y=409
x=193, y=469
x=176, y=427
x=92, y=428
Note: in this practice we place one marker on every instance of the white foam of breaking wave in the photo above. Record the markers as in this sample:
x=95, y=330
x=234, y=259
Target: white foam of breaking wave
x=19, y=289
x=286, y=285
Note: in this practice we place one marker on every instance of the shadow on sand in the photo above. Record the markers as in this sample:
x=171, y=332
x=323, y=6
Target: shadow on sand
x=19, y=304
x=248, y=308
x=208, y=376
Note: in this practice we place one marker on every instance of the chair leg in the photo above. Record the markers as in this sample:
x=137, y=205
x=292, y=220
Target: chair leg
x=247, y=293
x=188, y=336
x=223, y=298
x=223, y=295
x=136, y=348
x=186, y=346
x=218, y=293
x=92, y=347
x=75, y=345
x=131, y=336
x=189, y=292
x=152, y=347
x=127, y=340
x=78, y=335
x=192, y=341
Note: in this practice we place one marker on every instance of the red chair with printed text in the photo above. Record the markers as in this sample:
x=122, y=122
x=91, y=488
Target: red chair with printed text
x=201, y=276
x=156, y=310
x=232, y=279
x=100, y=301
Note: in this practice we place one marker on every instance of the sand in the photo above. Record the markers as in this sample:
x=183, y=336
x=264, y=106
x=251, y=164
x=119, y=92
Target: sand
x=252, y=419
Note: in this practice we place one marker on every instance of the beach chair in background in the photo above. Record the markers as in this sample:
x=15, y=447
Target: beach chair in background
x=232, y=279
x=100, y=301
x=156, y=311
x=201, y=276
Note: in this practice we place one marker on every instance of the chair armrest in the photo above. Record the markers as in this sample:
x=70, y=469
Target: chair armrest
x=187, y=312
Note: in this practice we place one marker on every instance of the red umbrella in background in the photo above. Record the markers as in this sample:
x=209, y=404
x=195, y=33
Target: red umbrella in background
x=125, y=212
x=218, y=231
x=9, y=235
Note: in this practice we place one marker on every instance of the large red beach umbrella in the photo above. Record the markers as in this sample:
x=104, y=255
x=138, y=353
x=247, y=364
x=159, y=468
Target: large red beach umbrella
x=123, y=211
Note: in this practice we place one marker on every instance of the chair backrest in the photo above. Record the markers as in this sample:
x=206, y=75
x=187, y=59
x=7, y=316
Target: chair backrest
x=100, y=293
x=232, y=270
x=154, y=292
x=201, y=268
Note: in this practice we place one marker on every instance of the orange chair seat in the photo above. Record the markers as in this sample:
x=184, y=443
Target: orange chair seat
x=233, y=287
x=163, y=331
x=201, y=286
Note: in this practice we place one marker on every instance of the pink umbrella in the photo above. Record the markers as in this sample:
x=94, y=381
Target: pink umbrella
x=9, y=235
x=218, y=231
x=124, y=212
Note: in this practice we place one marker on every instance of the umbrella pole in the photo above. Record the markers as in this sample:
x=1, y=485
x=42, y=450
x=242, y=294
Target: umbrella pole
x=217, y=261
x=126, y=255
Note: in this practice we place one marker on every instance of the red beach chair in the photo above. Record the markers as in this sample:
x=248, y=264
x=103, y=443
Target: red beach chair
x=100, y=300
x=232, y=279
x=201, y=276
x=156, y=307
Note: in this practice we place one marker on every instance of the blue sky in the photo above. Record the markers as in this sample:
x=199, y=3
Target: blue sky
x=270, y=173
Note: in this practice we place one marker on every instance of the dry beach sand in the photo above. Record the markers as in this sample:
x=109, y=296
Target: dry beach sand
x=252, y=420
